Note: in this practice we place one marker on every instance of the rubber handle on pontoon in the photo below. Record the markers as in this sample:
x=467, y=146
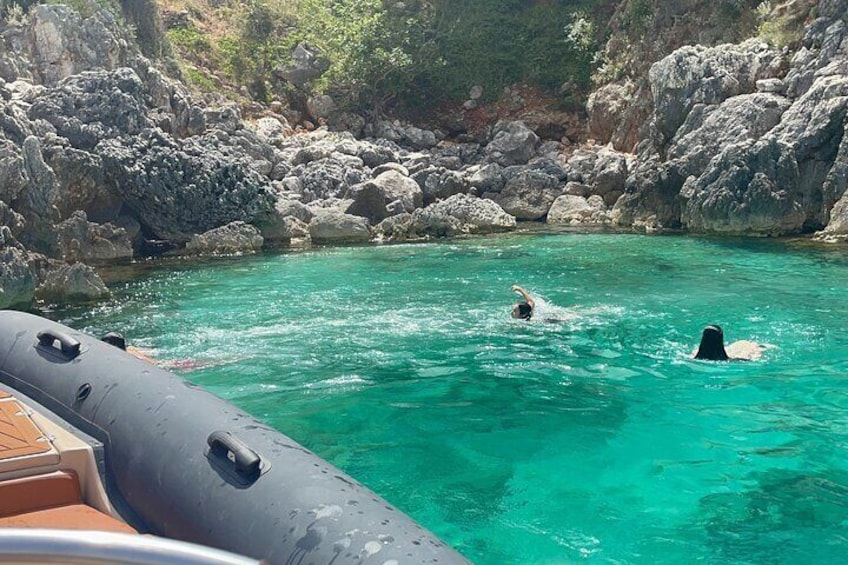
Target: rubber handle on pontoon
x=69, y=346
x=246, y=460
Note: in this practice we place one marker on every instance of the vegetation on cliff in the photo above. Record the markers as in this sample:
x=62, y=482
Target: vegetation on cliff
x=390, y=56
x=383, y=57
x=398, y=57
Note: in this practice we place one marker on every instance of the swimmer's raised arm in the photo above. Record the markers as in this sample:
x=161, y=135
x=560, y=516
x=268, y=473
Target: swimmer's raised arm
x=524, y=294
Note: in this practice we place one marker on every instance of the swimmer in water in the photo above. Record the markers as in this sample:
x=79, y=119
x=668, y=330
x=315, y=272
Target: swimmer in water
x=524, y=309
x=712, y=347
x=116, y=339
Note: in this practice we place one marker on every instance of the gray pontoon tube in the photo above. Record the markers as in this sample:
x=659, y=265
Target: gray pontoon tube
x=184, y=464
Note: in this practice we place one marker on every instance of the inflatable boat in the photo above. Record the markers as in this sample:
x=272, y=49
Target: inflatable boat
x=98, y=447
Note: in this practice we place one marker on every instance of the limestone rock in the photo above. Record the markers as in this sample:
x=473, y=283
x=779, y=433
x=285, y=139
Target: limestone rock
x=17, y=281
x=367, y=199
x=568, y=209
x=513, y=143
x=461, y=214
x=77, y=282
x=706, y=75
x=334, y=226
x=81, y=240
x=233, y=238
x=529, y=195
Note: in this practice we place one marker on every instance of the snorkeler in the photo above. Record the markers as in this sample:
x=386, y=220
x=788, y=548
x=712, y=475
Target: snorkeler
x=524, y=309
x=182, y=365
x=712, y=347
x=116, y=339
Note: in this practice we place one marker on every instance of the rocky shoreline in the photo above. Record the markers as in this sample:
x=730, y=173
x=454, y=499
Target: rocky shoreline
x=104, y=159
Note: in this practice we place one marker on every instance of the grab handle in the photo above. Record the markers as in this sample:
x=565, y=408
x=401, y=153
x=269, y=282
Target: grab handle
x=69, y=346
x=246, y=460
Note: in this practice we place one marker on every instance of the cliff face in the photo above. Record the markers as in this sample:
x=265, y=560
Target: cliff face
x=642, y=32
x=104, y=158
x=746, y=139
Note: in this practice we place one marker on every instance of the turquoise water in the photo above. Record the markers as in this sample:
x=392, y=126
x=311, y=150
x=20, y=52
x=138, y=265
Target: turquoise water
x=591, y=440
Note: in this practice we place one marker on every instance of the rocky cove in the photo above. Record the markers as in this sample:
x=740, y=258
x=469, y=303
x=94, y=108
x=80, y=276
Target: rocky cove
x=103, y=159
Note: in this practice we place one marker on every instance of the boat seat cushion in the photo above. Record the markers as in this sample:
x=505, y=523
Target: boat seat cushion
x=52, y=500
x=28, y=494
x=70, y=517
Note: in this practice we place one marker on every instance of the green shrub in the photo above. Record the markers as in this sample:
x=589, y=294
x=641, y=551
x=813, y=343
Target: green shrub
x=780, y=29
x=495, y=43
x=15, y=8
x=261, y=41
x=14, y=14
x=197, y=78
x=376, y=53
x=384, y=53
x=638, y=14
x=189, y=39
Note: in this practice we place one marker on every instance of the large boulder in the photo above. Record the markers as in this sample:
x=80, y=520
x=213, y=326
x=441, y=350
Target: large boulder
x=513, y=143
x=81, y=240
x=367, y=199
x=288, y=220
x=12, y=221
x=709, y=128
x=306, y=65
x=397, y=186
x=329, y=177
x=609, y=175
x=37, y=201
x=651, y=198
x=17, y=281
x=62, y=43
x=272, y=130
x=233, y=238
x=576, y=210
x=404, y=134
x=529, y=194
x=441, y=183
x=485, y=178
x=334, y=226
x=178, y=189
x=822, y=51
x=749, y=189
x=461, y=214
x=837, y=229
x=736, y=147
x=791, y=172
x=706, y=75
x=82, y=184
x=94, y=106
x=616, y=112
x=68, y=283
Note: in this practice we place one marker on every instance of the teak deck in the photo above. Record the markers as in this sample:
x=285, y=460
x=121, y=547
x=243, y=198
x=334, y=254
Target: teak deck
x=31, y=497
x=19, y=436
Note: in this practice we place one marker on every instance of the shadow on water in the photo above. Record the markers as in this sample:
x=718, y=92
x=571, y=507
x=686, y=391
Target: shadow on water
x=804, y=248
x=787, y=517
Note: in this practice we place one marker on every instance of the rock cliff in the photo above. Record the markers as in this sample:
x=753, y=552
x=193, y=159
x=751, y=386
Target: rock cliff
x=745, y=139
x=104, y=158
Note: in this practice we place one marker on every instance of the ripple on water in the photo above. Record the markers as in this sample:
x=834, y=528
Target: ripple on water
x=592, y=439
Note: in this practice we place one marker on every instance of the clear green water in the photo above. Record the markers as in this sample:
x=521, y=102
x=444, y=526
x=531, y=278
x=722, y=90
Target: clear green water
x=594, y=440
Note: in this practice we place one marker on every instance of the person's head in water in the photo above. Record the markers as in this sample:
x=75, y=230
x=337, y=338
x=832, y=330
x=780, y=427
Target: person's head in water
x=712, y=344
x=522, y=311
x=116, y=339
